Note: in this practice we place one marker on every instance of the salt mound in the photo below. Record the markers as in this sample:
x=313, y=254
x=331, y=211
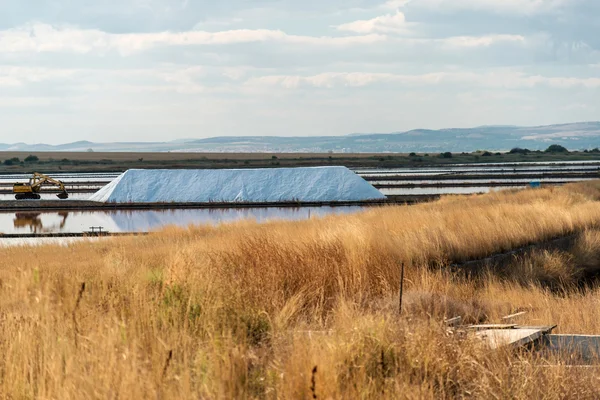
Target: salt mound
x=318, y=184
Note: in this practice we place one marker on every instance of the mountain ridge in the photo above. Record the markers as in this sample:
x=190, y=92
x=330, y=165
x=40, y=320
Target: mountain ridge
x=578, y=135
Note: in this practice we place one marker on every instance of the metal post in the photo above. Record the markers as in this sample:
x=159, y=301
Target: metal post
x=401, y=289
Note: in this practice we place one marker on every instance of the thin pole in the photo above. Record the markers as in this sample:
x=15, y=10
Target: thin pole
x=401, y=289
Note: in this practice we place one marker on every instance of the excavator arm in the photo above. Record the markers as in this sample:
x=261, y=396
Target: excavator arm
x=40, y=179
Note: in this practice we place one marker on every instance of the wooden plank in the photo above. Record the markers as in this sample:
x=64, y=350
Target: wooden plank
x=545, y=328
x=497, y=338
x=493, y=326
x=515, y=337
x=513, y=316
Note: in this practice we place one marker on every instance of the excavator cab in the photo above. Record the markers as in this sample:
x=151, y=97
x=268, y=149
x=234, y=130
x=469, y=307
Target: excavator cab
x=32, y=189
x=24, y=191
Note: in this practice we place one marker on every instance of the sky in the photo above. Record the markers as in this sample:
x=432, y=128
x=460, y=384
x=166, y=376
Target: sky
x=159, y=70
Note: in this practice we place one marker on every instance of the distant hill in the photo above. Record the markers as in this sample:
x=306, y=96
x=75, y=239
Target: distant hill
x=583, y=135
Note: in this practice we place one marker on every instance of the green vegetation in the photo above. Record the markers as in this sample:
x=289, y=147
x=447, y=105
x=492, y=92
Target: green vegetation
x=12, y=161
x=556, y=148
x=31, y=158
x=49, y=162
x=518, y=150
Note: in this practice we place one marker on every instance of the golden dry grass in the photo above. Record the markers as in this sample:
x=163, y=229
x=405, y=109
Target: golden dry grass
x=248, y=311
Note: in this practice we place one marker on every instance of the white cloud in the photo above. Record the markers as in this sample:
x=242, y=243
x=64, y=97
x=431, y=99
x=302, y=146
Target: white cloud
x=197, y=79
x=127, y=68
x=218, y=22
x=389, y=23
x=9, y=77
x=235, y=73
x=481, y=41
x=397, y=24
x=19, y=75
x=332, y=80
x=563, y=82
x=46, y=38
x=183, y=76
x=501, y=79
x=465, y=42
x=578, y=107
x=394, y=4
x=497, y=6
x=25, y=102
x=335, y=41
x=9, y=81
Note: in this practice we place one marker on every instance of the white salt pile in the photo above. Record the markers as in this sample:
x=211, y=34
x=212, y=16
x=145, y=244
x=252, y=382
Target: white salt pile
x=318, y=184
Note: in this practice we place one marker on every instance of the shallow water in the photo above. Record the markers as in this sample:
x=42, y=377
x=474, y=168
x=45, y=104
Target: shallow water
x=14, y=242
x=444, y=190
x=149, y=220
x=479, y=171
x=49, y=196
x=478, y=182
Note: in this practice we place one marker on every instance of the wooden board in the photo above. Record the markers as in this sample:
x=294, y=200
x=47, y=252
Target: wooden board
x=513, y=316
x=492, y=326
x=515, y=337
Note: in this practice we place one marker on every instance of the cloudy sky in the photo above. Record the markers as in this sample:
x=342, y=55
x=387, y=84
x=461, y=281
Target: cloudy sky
x=146, y=70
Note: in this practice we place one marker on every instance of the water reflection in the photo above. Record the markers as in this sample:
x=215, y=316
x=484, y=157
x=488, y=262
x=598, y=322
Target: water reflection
x=149, y=220
x=53, y=222
x=65, y=241
x=33, y=222
x=48, y=196
x=134, y=221
x=478, y=182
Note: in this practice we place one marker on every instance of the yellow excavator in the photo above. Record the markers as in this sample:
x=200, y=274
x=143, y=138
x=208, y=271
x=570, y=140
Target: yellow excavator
x=32, y=189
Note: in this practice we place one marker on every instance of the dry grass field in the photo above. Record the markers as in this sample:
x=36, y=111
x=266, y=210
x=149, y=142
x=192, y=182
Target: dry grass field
x=304, y=309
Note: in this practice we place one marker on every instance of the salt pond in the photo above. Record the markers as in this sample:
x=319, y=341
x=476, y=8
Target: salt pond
x=417, y=191
x=149, y=220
